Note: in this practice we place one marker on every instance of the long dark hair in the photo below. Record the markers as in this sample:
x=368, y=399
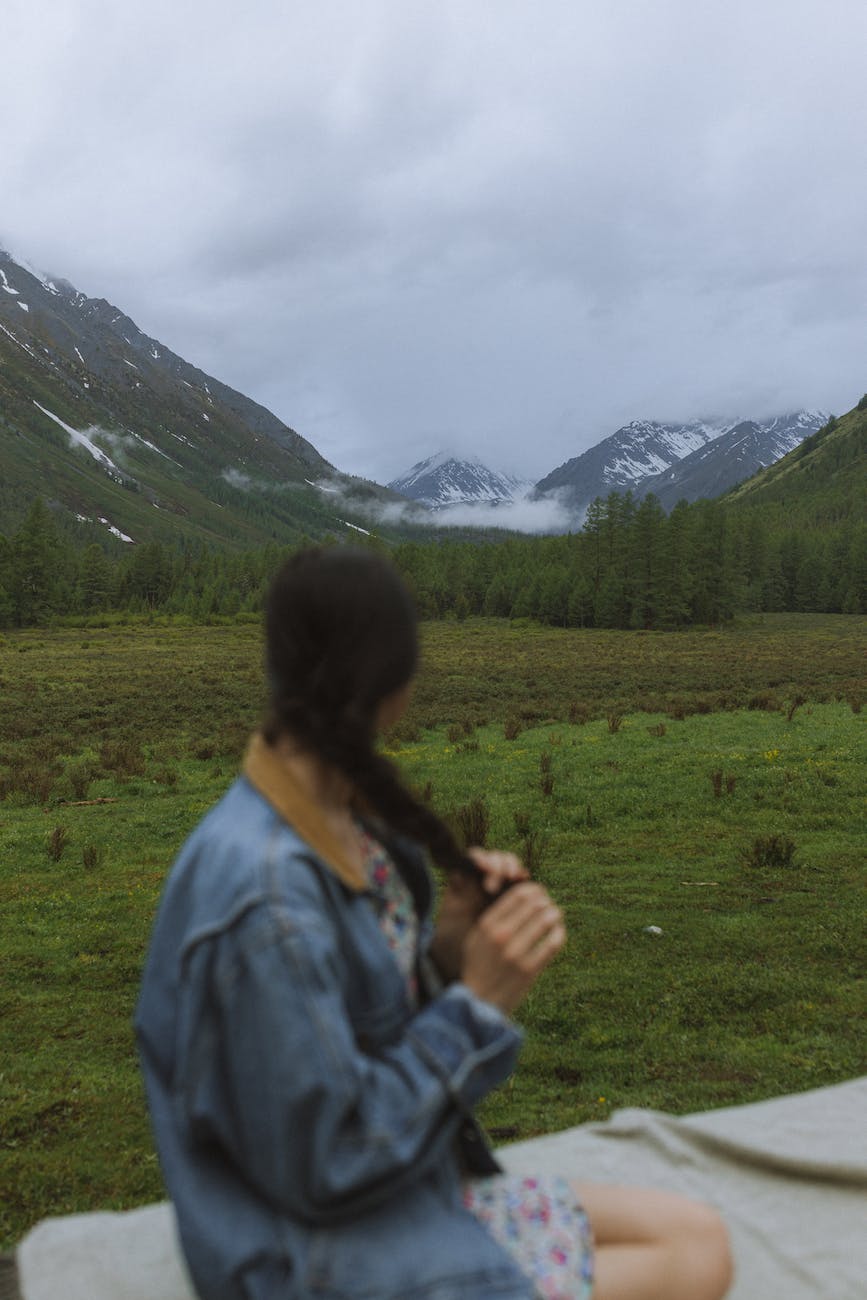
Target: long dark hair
x=341, y=636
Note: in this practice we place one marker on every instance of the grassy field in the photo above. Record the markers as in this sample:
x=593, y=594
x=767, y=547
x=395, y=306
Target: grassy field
x=667, y=780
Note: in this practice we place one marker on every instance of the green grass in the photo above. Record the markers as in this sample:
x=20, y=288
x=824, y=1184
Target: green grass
x=754, y=988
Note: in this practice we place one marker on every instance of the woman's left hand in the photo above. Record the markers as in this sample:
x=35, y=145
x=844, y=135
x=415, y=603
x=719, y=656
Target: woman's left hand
x=463, y=901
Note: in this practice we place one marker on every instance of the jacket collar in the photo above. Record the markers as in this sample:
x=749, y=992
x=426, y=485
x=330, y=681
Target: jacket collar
x=279, y=786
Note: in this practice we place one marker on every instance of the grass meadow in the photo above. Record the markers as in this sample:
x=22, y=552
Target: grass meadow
x=708, y=783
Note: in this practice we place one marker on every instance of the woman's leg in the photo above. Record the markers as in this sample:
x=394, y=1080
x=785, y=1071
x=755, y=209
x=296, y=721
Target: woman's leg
x=653, y=1245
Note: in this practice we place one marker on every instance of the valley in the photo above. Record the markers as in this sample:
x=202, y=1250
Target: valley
x=708, y=783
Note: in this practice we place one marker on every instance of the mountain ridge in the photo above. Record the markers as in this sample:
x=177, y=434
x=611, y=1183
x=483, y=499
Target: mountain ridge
x=118, y=431
x=734, y=456
x=645, y=453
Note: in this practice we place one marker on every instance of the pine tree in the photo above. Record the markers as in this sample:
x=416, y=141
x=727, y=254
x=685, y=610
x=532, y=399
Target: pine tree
x=37, y=564
x=94, y=578
x=645, y=563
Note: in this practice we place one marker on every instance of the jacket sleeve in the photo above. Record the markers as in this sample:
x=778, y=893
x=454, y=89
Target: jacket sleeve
x=271, y=1070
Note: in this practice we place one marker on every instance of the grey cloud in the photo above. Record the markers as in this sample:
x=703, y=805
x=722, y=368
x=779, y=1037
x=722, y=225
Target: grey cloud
x=506, y=227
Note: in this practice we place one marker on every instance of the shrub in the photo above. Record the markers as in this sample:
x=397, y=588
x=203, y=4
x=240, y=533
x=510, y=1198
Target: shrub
x=716, y=780
x=578, y=714
x=770, y=851
x=34, y=783
x=764, y=701
x=796, y=702
x=855, y=703
x=544, y=762
x=55, y=843
x=512, y=728
x=615, y=722
x=521, y=819
x=407, y=732
x=80, y=775
x=232, y=739
x=473, y=821
x=658, y=730
x=92, y=855
x=546, y=784
x=531, y=851
x=122, y=756
x=454, y=732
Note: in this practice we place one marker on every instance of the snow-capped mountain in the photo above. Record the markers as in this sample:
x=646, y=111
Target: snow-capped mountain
x=736, y=455
x=447, y=480
x=122, y=435
x=636, y=451
x=641, y=456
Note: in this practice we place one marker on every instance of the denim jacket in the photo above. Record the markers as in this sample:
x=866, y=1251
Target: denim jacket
x=309, y=1120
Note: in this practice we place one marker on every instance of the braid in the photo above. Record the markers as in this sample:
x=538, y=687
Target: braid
x=346, y=744
x=341, y=637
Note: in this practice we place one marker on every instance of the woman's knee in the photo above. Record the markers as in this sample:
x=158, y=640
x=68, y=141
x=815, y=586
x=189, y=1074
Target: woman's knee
x=710, y=1251
x=690, y=1235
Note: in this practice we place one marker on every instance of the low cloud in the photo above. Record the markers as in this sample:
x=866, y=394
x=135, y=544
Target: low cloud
x=522, y=516
x=243, y=482
x=119, y=442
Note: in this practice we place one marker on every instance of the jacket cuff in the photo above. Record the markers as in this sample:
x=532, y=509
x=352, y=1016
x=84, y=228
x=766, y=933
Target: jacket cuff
x=468, y=1042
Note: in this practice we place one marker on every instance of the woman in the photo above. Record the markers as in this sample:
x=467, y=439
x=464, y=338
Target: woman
x=313, y=1048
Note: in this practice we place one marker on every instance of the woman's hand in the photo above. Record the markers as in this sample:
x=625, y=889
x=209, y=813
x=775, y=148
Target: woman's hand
x=511, y=944
x=463, y=901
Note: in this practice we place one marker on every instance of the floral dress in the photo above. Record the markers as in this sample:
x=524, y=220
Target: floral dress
x=538, y=1221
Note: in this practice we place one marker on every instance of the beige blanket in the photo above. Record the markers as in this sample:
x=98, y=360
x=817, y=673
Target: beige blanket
x=789, y=1175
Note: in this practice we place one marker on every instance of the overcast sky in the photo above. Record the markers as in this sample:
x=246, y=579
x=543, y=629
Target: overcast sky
x=503, y=227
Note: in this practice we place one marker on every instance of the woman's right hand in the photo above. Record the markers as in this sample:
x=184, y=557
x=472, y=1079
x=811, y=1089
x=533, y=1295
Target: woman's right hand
x=511, y=944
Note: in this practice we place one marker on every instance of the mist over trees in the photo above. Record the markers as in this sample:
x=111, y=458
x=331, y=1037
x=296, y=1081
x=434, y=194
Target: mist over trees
x=631, y=566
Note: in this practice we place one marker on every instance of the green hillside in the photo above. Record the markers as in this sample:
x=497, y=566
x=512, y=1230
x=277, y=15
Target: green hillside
x=822, y=483
x=120, y=436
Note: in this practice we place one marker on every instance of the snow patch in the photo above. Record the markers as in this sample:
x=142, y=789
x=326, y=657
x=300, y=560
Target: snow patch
x=11, y=336
x=129, y=363
x=80, y=357
x=115, y=531
x=159, y=452
x=347, y=524
x=6, y=285
x=81, y=440
x=86, y=519
x=23, y=306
